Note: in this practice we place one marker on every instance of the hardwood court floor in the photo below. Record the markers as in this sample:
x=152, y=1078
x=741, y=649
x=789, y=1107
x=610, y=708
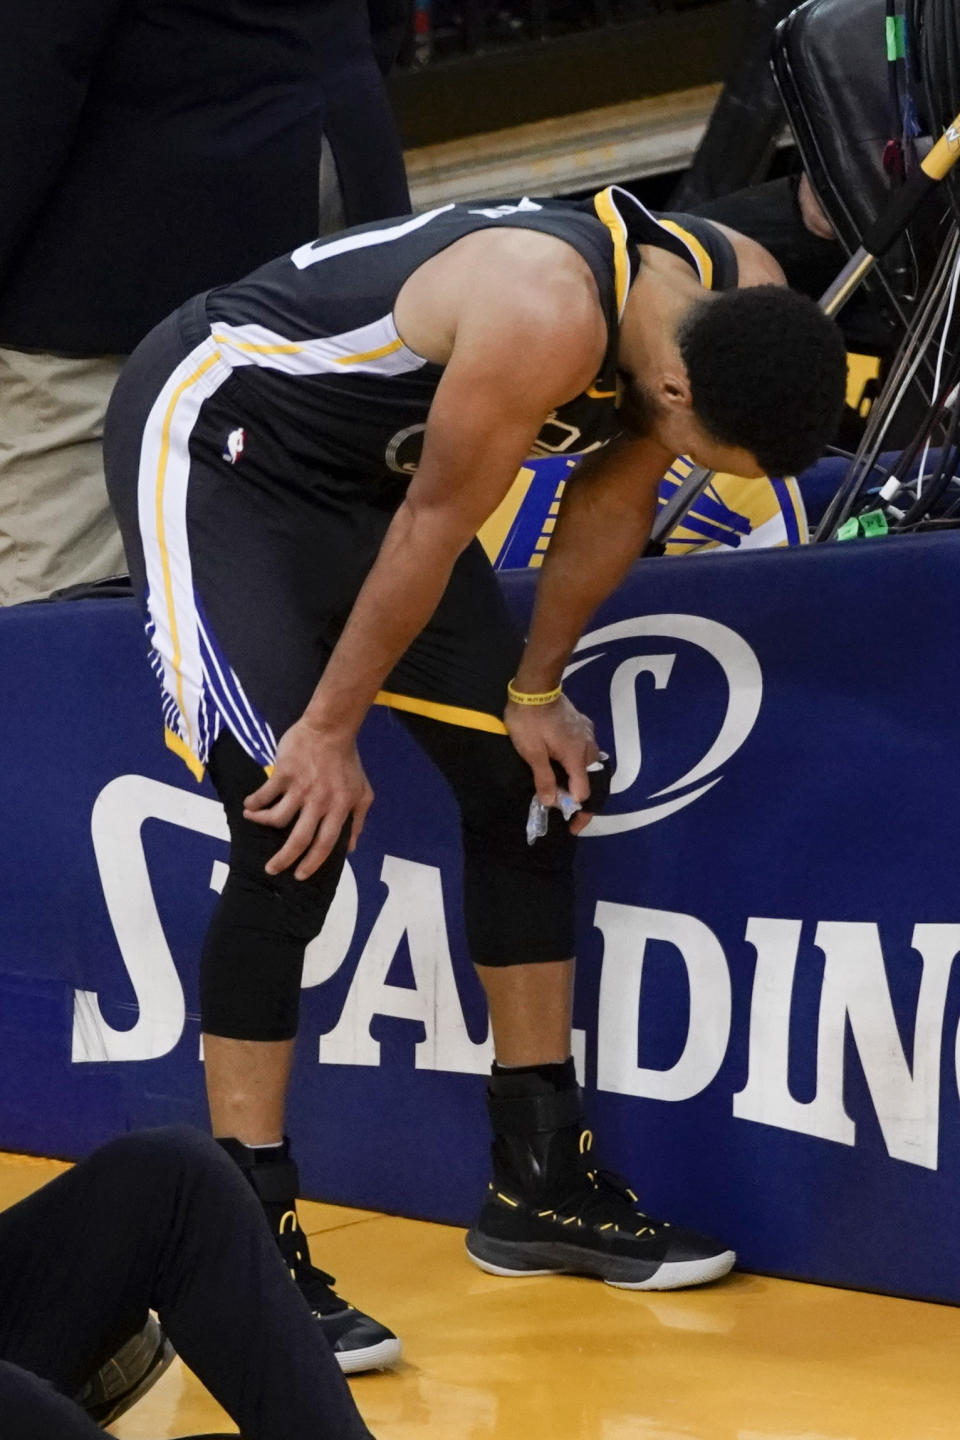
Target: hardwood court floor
x=567, y=1359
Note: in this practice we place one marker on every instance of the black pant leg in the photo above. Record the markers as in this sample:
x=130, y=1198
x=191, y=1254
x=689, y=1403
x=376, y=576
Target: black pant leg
x=32, y=1410
x=164, y=1220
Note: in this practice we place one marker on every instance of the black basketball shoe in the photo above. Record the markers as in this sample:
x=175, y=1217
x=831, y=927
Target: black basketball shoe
x=551, y=1211
x=357, y=1340
x=130, y=1373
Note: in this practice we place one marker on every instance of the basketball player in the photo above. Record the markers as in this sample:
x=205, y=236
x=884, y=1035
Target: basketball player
x=299, y=463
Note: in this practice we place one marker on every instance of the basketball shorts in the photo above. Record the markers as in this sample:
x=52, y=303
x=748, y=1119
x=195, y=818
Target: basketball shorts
x=249, y=563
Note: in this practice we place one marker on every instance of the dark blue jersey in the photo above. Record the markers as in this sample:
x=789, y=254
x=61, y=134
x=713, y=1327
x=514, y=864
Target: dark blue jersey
x=319, y=362
x=272, y=425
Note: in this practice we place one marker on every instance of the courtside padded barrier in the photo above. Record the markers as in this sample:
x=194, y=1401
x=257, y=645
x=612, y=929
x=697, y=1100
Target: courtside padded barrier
x=769, y=985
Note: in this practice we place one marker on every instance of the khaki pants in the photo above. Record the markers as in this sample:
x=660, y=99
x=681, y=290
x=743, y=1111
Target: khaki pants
x=56, y=526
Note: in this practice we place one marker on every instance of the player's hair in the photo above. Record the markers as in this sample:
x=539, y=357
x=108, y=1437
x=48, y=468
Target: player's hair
x=767, y=373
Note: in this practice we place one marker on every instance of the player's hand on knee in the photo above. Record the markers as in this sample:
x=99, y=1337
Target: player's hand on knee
x=544, y=734
x=317, y=784
x=360, y=814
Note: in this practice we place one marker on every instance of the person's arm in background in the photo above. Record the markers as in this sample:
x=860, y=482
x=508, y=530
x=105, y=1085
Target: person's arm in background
x=358, y=47
x=389, y=22
x=778, y=216
x=48, y=51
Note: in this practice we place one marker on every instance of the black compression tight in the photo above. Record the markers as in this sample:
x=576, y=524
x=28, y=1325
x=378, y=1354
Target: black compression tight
x=518, y=899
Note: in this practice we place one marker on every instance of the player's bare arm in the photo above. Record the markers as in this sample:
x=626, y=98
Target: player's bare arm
x=511, y=362
x=604, y=522
x=607, y=512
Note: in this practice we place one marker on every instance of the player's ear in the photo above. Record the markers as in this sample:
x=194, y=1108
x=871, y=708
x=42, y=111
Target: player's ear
x=674, y=390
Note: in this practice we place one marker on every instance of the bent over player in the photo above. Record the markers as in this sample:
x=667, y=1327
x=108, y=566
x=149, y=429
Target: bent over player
x=300, y=463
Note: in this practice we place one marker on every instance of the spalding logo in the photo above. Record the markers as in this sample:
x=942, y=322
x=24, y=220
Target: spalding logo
x=743, y=686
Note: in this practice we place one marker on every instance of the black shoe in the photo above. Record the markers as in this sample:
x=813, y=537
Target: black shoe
x=549, y=1211
x=357, y=1340
x=127, y=1375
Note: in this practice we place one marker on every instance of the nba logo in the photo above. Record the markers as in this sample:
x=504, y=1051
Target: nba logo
x=234, y=446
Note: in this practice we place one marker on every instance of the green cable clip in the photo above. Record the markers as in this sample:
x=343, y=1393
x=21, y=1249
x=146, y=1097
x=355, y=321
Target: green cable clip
x=850, y=530
x=896, y=38
x=874, y=522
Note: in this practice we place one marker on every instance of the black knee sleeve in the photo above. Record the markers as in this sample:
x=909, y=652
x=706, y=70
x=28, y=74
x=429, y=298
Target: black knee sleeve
x=518, y=900
x=252, y=961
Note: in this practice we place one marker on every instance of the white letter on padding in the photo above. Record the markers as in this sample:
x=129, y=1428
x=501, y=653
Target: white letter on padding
x=413, y=908
x=118, y=816
x=855, y=991
x=626, y=930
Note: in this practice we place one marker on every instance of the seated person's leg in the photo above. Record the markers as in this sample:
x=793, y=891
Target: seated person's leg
x=33, y=1410
x=164, y=1220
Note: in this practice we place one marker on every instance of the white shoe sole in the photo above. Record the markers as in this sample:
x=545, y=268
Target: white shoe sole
x=373, y=1357
x=677, y=1275
x=683, y=1273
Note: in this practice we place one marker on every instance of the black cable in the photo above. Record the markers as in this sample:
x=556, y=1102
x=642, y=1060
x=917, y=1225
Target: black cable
x=928, y=495
x=928, y=425
x=920, y=328
x=849, y=455
x=932, y=45
x=952, y=511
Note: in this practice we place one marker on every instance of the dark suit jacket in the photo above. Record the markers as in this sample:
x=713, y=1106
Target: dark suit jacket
x=150, y=149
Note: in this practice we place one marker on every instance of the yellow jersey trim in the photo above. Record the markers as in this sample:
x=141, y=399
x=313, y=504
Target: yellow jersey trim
x=594, y=394
x=177, y=657
x=609, y=214
x=449, y=714
x=696, y=248
x=290, y=349
x=371, y=354
x=180, y=747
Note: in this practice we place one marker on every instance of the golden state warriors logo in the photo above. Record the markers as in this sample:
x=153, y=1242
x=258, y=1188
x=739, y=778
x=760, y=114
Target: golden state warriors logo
x=736, y=514
x=652, y=665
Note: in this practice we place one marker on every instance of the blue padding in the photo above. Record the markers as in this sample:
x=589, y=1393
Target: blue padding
x=785, y=807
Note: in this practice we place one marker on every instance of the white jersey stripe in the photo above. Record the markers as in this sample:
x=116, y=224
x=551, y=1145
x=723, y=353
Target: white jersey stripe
x=190, y=671
x=267, y=737
x=162, y=501
x=374, y=349
x=228, y=694
x=311, y=254
x=219, y=692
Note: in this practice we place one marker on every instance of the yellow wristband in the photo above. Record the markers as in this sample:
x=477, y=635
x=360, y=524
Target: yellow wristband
x=523, y=697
